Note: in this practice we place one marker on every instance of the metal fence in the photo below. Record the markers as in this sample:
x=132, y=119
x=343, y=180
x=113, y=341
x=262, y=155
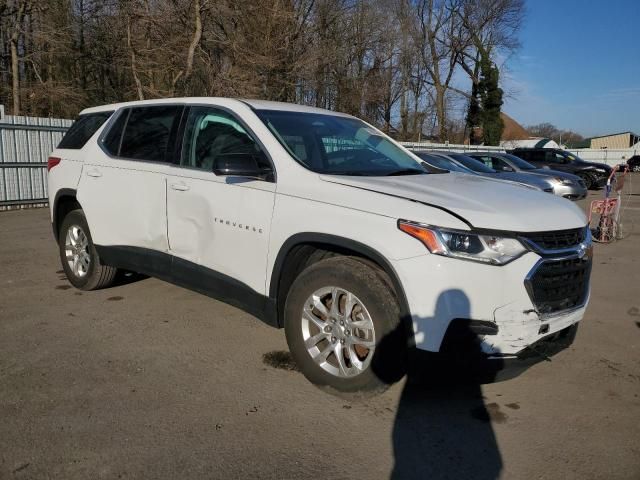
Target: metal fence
x=25, y=144
x=451, y=147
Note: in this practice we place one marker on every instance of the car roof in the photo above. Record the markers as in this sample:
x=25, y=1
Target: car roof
x=288, y=107
x=255, y=104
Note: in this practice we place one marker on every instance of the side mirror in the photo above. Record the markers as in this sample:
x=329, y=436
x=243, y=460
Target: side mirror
x=238, y=165
x=507, y=169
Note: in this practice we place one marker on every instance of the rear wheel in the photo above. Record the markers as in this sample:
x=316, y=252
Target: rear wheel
x=79, y=257
x=342, y=323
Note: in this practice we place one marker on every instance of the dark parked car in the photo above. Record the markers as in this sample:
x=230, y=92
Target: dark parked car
x=634, y=163
x=594, y=174
x=565, y=184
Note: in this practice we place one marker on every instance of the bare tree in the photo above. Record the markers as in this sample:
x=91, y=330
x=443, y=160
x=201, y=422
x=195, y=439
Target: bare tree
x=392, y=62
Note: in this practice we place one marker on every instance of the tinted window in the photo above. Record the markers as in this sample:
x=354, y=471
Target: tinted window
x=211, y=133
x=484, y=159
x=553, y=157
x=472, y=163
x=518, y=162
x=435, y=161
x=83, y=129
x=537, y=156
x=499, y=164
x=146, y=135
x=523, y=155
x=111, y=141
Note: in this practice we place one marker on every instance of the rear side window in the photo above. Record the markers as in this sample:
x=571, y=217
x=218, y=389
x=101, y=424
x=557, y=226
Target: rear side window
x=111, y=141
x=83, y=129
x=147, y=132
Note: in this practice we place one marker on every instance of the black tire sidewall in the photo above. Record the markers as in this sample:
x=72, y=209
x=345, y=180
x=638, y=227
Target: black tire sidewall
x=588, y=179
x=76, y=217
x=367, y=284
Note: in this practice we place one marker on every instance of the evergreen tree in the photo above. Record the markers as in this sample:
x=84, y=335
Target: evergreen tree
x=490, y=102
x=474, y=117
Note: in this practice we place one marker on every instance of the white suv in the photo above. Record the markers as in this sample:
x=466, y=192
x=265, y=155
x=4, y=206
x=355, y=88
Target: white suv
x=317, y=222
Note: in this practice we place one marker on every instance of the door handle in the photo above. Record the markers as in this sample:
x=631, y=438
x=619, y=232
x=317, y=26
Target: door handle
x=94, y=173
x=181, y=187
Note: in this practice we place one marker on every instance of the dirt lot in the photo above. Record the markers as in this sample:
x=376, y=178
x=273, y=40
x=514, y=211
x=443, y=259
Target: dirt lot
x=148, y=380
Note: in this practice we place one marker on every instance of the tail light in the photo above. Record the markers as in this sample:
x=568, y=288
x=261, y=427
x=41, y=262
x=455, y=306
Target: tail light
x=52, y=162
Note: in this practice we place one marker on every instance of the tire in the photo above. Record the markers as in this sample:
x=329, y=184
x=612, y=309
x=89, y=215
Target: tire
x=635, y=167
x=373, y=349
x=78, y=255
x=587, y=179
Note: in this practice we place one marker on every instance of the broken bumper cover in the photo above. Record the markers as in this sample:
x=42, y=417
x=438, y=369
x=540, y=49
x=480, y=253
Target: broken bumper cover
x=491, y=307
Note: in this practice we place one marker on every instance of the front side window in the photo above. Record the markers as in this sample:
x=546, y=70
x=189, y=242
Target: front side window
x=212, y=134
x=554, y=157
x=484, y=159
x=519, y=162
x=472, y=163
x=147, y=132
x=83, y=129
x=338, y=145
x=499, y=164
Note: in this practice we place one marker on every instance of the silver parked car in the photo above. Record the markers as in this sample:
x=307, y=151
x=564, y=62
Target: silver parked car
x=462, y=163
x=565, y=184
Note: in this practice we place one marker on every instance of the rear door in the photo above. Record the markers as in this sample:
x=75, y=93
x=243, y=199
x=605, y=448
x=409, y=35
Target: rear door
x=122, y=187
x=218, y=226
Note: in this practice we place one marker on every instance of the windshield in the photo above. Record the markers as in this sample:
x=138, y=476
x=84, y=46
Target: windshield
x=471, y=163
x=518, y=162
x=441, y=162
x=338, y=145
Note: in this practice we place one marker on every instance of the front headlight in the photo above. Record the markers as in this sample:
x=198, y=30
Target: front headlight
x=563, y=181
x=490, y=249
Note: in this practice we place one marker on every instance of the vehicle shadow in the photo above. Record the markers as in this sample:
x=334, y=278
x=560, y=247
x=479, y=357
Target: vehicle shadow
x=442, y=428
x=125, y=277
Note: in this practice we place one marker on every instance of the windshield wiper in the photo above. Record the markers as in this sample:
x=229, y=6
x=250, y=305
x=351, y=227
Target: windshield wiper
x=405, y=171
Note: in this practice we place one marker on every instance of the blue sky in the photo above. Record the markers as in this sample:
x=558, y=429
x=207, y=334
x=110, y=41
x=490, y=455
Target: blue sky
x=579, y=66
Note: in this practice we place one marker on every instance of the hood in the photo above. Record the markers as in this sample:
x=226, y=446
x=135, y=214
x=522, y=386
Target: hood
x=604, y=166
x=481, y=202
x=521, y=177
x=554, y=173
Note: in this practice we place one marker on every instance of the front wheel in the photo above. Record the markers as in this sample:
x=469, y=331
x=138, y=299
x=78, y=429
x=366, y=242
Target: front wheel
x=342, y=323
x=587, y=179
x=79, y=257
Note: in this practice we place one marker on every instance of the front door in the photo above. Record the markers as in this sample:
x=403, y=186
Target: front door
x=218, y=226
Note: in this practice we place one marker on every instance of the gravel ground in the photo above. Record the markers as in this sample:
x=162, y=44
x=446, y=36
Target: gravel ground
x=148, y=380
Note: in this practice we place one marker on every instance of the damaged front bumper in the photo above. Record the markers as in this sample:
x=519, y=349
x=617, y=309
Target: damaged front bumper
x=495, y=312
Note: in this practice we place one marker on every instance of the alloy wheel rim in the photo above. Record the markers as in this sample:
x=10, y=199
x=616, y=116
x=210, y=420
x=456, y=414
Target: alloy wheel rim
x=338, y=332
x=77, y=251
